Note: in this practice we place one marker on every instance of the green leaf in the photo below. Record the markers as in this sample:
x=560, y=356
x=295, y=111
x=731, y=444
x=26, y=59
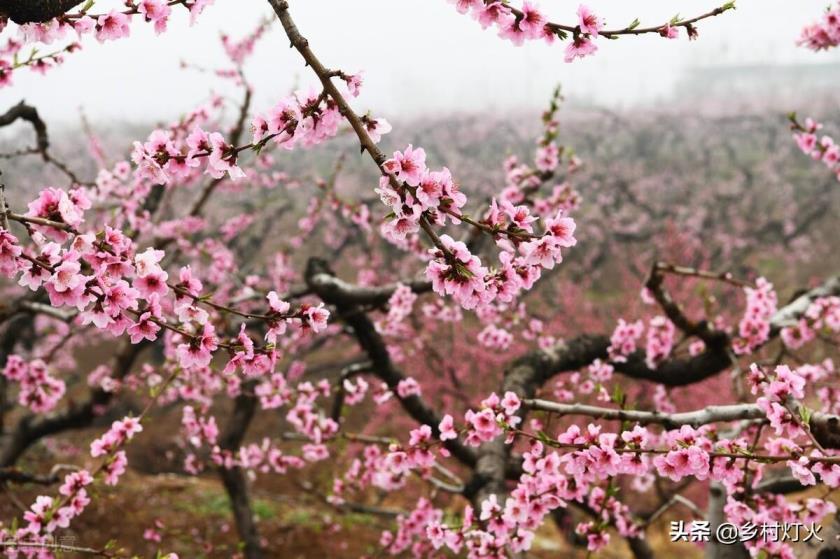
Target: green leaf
x=805, y=414
x=618, y=395
x=634, y=24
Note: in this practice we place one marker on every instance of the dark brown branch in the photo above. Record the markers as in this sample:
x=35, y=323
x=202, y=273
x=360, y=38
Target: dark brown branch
x=32, y=428
x=30, y=114
x=347, y=373
x=780, y=485
x=31, y=11
x=22, y=111
x=15, y=475
x=331, y=286
x=234, y=478
x=321, y=280
x=299, y=43
x=672, y=309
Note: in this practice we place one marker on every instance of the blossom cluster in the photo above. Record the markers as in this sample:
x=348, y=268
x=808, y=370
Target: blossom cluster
x=494, y=416
x=588, y=456
x=823, y=314
x=49, y=514
x=164, y=160
x=455, y=271
x=117, y=289
x=414, y=194
x=624, y=338
x=109, y=26
x=308, y=118
x=754, y=326
x=823, y=34
x=201, y=432
x=820, y=149
x=529, y=23
x=38, y=390
x=400, y=305
x=777, y=391
x=660, y=340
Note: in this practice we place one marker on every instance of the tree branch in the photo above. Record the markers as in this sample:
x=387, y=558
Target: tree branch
x=323, y=282
x=32, y=11
x=709, y=414
x=234, y=480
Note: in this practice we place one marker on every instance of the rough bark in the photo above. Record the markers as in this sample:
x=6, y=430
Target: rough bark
x=31, y=11
x=234, y=479
x=30, y=114
x=714, y=548
x=322, y=281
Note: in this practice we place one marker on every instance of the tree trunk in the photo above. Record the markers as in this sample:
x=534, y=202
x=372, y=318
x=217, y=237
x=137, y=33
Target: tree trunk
x=234, y=479
x=714, y=548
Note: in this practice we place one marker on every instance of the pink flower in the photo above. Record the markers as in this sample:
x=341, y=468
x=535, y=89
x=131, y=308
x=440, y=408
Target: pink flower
x=111, y=26
x=532, y=22
x=547, y=158
x=510, y=403
x=420, y=436
x=36, y=516
x=407, y=166
x=316, y=317
x=121, y=431
x=196, y=7
x=464, y=6
x=562, y=229
x=408, y=387
x=147, y=261
x=446, y=428
x=152, y=535
x=222, y=159
x=484, y=423
x=513, y=30
x=5, y=74
x=669, y=32
x=115, y=468
x=55, y=205
x=155, y=11
x=589, y=23
x=580, y=47
x=801, y=471
x=282, y=121
x=660, y=340
x=198, y=352
x=623, y=339
x=153, y=283
x=144, y=328
x=276, y=304
x=495, y=338
x=354, y=83
x=376, y=128
x=10, y=251
x=74, y=482
x=491, y=13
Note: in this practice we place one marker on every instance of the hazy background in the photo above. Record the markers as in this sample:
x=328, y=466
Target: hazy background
x=421, y=56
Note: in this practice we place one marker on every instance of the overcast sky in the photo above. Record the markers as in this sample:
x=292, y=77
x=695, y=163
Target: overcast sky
x=419, y=56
